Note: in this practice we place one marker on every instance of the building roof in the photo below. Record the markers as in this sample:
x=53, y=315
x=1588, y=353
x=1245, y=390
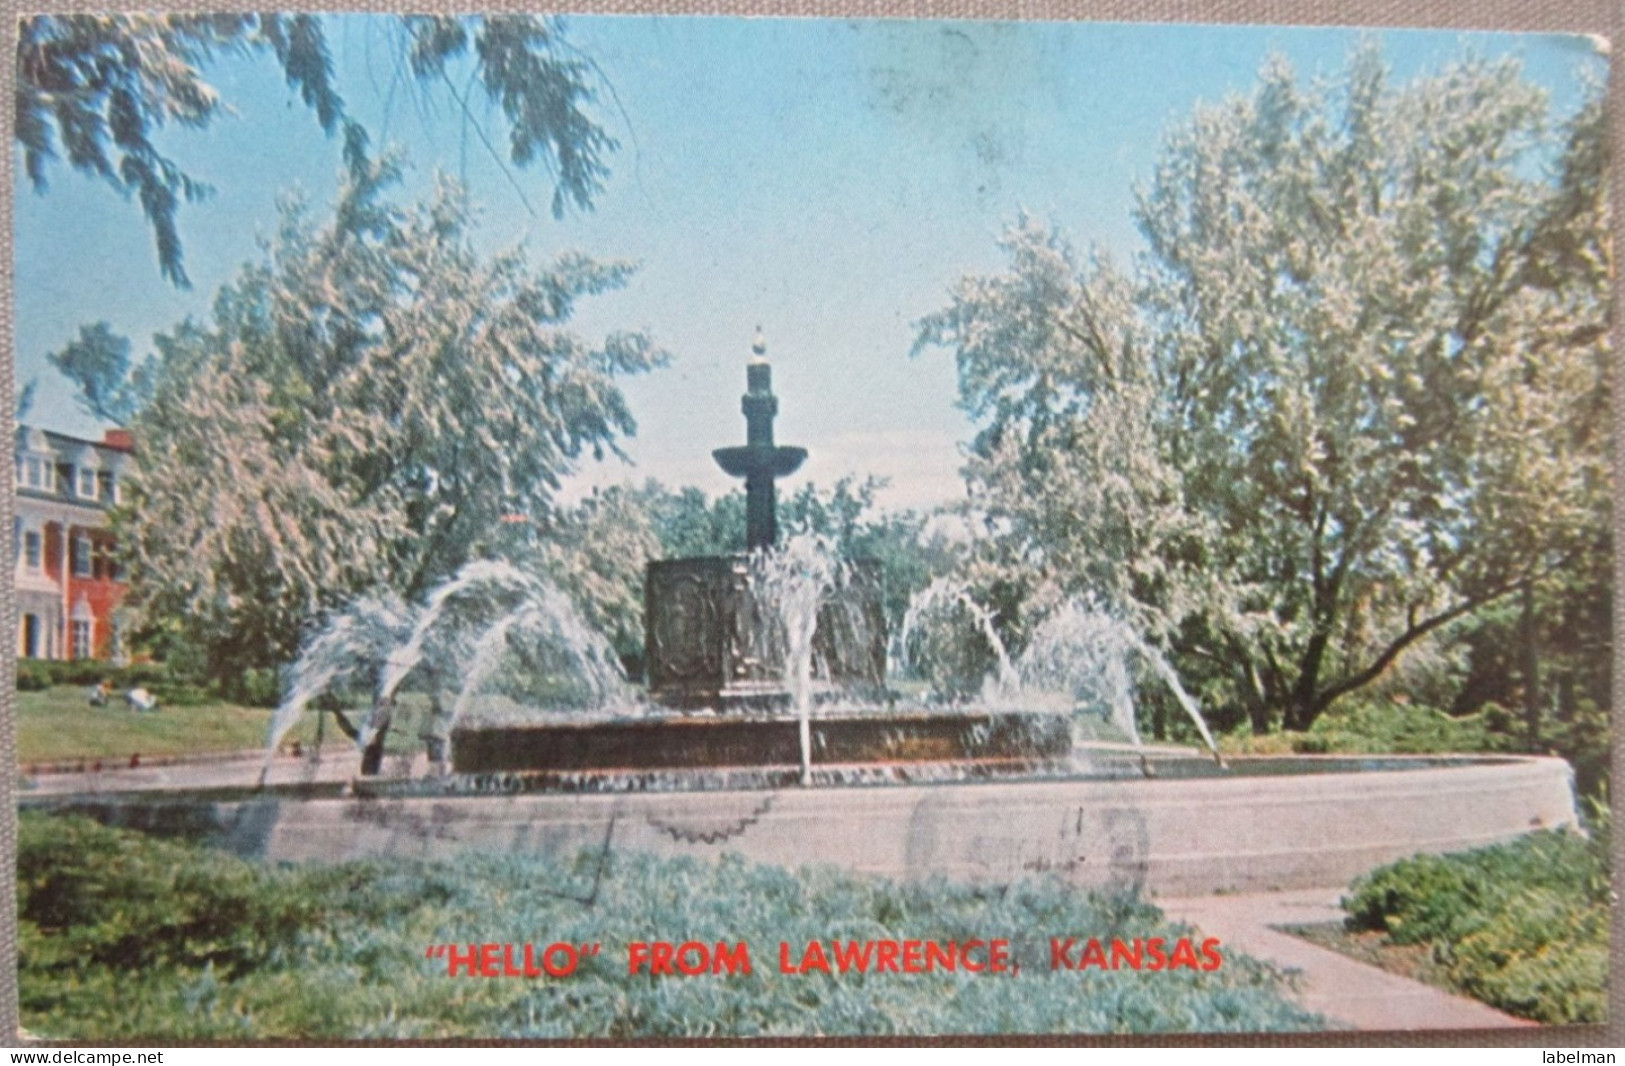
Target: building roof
x=117, y=441
x=112, y=455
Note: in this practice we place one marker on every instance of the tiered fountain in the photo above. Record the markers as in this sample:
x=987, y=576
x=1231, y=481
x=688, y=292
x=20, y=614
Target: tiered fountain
x=743, y=648
x=767, y=676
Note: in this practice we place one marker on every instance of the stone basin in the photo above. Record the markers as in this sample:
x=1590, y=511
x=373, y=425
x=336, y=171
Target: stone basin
x=1265, y=823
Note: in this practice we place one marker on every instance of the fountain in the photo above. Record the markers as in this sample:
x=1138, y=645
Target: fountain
x=768, y=730
x=746, y=648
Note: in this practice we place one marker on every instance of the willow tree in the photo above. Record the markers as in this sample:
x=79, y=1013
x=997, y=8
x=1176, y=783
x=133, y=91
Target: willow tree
x=363, y=408
x=1356, y=392
x=96, y=91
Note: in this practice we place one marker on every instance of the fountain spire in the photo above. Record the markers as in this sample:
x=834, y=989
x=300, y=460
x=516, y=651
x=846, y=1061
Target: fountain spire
x=760, y=462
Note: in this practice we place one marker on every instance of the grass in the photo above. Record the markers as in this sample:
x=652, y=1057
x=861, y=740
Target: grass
x=59, y=724
x=125, y=938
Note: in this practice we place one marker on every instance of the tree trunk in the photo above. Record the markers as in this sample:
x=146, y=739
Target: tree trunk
x=345, y=725
x=436, y=732
x=1252, y=693
x=372, y=758
x=1258, y=714
x=1302, y=708
x=1531, y=671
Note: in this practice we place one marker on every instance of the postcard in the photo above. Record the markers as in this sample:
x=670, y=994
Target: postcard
x=637, y=527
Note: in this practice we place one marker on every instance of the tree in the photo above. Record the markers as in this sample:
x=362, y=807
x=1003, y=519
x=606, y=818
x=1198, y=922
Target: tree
x=1357, y=392
x=365, y=406
x=688, y=523
x=98, y=89
x=25, y=400
x=846, y=516
x=98, y=363
x=1066, y=471
x=596, y=552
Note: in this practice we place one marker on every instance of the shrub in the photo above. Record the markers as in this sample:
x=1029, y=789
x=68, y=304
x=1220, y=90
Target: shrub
x=147, y=674
x=181, y=694
x=172, y=689
x=89, y=896
x=1371, y=726
x=125, y=937
x=79, y=671
x=260, y=688
x=31, y=678
x=1583, y=739
x=1522, y=926
x=1374, y=725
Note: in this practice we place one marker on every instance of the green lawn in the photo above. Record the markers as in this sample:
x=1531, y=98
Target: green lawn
x=60, y=724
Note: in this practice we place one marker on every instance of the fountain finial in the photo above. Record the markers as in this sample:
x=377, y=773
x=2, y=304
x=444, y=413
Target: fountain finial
x=760, y=461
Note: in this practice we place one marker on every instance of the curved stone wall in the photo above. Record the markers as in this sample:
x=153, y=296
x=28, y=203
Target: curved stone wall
x=1255, y=828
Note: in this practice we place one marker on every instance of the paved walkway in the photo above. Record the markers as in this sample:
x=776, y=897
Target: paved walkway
x=224, y=771
x=1345, y=991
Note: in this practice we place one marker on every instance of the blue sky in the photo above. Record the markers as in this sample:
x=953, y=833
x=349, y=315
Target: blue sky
x=829, y=180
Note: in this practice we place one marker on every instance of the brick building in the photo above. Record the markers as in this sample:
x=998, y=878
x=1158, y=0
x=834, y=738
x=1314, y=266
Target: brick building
x=68, y=578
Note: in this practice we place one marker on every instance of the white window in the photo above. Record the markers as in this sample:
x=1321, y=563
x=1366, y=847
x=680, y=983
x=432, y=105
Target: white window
x=34, y=472
x=82, y=561
x=33, y=549
x=87, y=483
x=82, y=646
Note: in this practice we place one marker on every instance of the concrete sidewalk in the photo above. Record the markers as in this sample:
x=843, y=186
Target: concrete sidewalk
x=220, y=771
x=1345, y=991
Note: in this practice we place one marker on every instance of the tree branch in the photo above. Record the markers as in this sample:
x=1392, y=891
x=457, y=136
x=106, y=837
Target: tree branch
x=1412, y=634
x=346, y=726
